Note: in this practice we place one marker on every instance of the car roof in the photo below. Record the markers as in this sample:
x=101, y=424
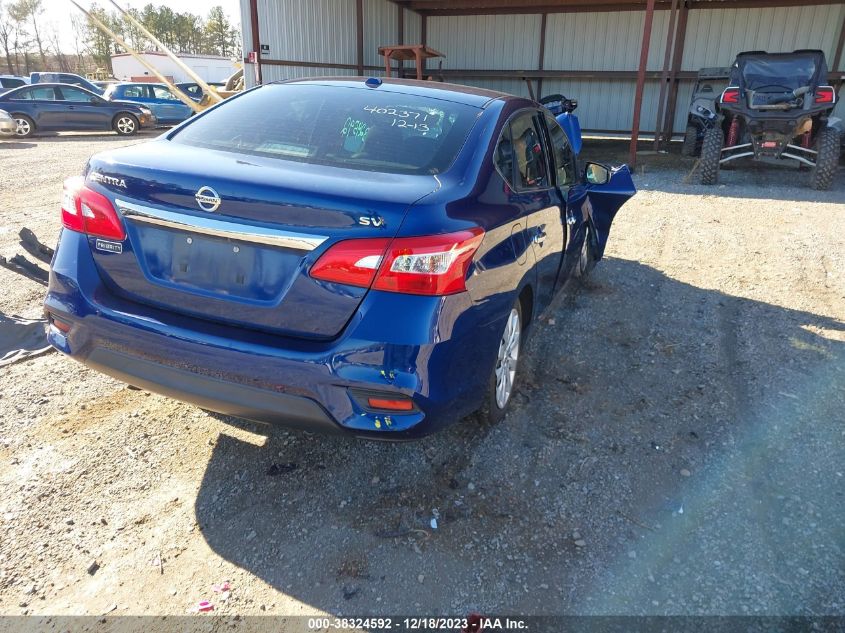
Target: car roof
x=138, y=83
x=54, y=84
x=469, y=95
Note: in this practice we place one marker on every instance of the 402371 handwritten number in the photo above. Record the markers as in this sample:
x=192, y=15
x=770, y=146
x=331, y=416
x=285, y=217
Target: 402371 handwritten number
x=420, y=117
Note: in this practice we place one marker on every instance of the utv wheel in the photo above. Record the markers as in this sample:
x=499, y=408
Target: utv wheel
x=26, y=126
x=503, y=380
x=711, y=154
x=690, y=146
x=827, y=159
x=125, y=124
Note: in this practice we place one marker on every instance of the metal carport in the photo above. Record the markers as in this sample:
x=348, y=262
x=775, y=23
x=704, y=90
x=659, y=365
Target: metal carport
x=630, y=63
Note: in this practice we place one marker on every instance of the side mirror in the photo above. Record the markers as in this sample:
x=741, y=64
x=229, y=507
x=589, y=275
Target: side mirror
x=596, y=174
x=95, y=101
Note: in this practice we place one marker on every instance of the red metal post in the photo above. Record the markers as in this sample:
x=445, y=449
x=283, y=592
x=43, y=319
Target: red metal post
x=638, y=97
x=359, y=33
x=256, y=39
x=424, y=42
x=400, y=27
x=677, y=59
x=664, y=76
x=541, y=61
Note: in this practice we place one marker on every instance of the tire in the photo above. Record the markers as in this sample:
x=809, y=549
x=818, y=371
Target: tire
x=125, y=124
x=499, y=396
x=26, y=126
x=690, y=146
x=587, y=259
x=827, y=159
x=711, y=154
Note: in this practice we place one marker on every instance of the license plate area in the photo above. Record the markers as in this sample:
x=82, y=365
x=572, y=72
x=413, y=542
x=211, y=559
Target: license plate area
x=219, y=266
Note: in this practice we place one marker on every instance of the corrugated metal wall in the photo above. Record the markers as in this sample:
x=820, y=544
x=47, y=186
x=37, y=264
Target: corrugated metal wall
x=381, y=26
x=413, y=27
x=324, y=31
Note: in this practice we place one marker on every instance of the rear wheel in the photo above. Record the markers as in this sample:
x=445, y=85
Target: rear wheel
x=711, y=154
x=125, y=124
x=503, y=380
x=690, y=146
x=26, y=126
x=827, y=159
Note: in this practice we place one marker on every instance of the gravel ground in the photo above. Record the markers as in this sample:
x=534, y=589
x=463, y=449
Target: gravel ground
x=677, y=444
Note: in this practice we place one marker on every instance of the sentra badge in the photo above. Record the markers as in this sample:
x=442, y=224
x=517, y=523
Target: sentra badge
x=107, y=180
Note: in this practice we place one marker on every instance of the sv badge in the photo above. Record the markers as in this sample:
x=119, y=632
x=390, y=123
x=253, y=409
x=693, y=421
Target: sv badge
x=369, y=220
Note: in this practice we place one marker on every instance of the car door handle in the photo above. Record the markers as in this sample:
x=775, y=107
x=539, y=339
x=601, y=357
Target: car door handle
x=539, y=237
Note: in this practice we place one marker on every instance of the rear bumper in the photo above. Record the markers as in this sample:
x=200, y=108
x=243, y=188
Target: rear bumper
x=211, y=393
x=439, y=351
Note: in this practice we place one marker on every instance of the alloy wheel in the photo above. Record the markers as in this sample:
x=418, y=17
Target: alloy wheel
x=125, y=125
x=23, y=128
x=507, y=359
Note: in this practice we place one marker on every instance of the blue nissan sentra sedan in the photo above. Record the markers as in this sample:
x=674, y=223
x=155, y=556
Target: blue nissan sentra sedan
x=347, y=254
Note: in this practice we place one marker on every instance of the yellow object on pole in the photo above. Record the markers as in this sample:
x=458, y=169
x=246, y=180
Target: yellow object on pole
x=119, y=40
x=205, y=87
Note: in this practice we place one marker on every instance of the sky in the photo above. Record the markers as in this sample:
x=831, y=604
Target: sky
x=56, y=12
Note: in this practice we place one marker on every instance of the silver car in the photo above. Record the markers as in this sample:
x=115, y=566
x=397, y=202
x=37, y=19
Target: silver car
x=7, y=125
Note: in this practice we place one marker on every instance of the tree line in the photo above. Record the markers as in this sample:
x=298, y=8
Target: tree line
x=29, y=44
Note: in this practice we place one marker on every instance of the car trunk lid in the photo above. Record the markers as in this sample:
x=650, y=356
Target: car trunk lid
x=230, y=237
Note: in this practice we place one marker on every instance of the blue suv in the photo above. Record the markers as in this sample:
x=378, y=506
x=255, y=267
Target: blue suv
x=166, y=107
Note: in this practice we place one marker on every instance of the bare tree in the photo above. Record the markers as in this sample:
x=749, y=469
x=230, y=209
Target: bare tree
x=55, y=43
x=7, y=31
x=79, y=26
x=30, y=11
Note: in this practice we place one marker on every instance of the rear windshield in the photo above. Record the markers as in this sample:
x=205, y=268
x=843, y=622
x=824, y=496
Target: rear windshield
x=353, y=128
x=791, y=72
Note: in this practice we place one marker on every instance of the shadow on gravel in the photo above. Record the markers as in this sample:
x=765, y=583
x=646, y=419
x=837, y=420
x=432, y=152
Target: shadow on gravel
x=673, y=450
x=745, y=178
x=16, y=145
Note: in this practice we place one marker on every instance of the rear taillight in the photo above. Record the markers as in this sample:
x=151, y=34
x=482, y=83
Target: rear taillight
x=351, y=262
x=426, y=265
x=87, y=211
x=730, y=95
x=825, y=94
x=429, y=265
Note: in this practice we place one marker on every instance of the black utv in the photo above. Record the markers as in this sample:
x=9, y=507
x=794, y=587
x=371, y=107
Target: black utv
x=702, y=110
x=776, y=107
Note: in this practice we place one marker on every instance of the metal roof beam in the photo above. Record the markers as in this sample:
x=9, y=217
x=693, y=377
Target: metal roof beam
x=503, y=7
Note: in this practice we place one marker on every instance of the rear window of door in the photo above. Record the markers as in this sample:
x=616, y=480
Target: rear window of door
x=134, y=92
x=75, y=94
x=163, y=93
x=529, y=154
x=563, y=158
x=38, y=94
x=352, y=128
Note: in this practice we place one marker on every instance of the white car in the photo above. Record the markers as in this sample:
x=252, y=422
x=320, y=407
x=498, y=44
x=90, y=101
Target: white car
x=7, y=125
